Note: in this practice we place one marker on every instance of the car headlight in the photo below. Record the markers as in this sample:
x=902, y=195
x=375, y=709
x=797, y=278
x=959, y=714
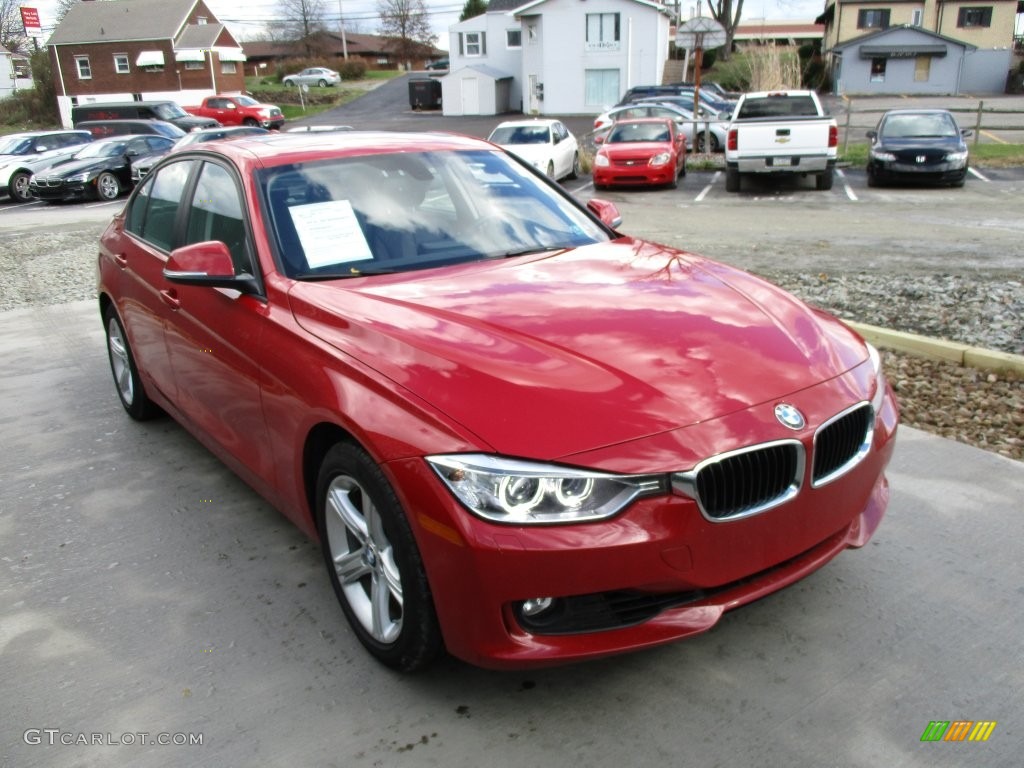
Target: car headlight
x=661, y=158
x=79, y=177
x=957, y=157
x=527, y=493
x=880, y=383
x=885, y=157
x=602, y=161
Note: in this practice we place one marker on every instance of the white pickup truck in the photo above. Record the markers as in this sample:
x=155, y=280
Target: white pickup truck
x=780, y=132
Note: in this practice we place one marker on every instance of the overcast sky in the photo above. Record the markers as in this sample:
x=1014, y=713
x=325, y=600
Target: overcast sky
x=246, y=18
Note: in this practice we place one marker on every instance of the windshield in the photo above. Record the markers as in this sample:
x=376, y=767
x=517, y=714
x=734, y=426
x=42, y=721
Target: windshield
x=14, y=145
x=380, y=213
x=101, y=149
x=169, y=111
x=520, y=134
x=919, y=127
x=624, y=133
x=245, y=101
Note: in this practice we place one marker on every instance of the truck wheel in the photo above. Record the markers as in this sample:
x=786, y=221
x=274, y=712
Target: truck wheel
x=823, y=181
x=251, y=121
x=732, y=179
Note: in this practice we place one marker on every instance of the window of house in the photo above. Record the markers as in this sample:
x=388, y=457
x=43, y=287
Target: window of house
x=473, y=43
x=602, y=32
x=916, y=17
x=974, y=17
x=601, y=87
x=513, y=38
x=532, y=32
x=878, y=70
x=383, y=60
x=200, y=20
x=84, y=69
x=873, y=18
x=121, y=65
x=922, y=68
x=228, y=68
x=195, y=65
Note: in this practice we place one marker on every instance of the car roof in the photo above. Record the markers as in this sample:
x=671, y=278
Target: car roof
x=34, y=134
x=283, y=148
x=517, y=123
x=911, y=111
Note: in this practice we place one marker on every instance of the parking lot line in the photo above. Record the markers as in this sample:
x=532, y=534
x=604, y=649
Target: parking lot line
x=707, y=189
x=846, y=185
x=978, y=174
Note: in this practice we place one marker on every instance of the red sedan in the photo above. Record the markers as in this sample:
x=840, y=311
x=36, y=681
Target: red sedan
x=649, y=151
x=518, y=434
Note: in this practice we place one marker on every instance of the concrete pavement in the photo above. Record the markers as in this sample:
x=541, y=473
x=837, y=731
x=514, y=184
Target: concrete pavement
x=144, y=588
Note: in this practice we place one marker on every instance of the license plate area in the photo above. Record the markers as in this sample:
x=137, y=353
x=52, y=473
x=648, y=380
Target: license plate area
x=783, y=162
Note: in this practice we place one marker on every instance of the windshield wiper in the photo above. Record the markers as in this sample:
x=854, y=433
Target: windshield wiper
x=528, y=251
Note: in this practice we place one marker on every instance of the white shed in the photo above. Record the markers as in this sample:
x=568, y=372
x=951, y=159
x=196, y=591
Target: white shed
x=475, y=90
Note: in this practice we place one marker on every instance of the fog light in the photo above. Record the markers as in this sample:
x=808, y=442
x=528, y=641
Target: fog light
x=537, y=605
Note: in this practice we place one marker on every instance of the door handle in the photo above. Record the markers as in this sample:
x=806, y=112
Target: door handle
x=170, y=298
x=121, y=260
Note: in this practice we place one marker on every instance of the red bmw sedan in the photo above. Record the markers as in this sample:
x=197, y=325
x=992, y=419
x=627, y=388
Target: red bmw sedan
x=647, y=151
x=519, y=435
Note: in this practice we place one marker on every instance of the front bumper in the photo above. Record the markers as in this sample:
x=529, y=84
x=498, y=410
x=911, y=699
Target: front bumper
x=658, y=572
x=77, y=190
x=934, y=173
x=273, y=123
x=636, y=175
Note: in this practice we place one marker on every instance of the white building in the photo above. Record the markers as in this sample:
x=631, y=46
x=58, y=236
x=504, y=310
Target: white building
x=564, y=56
x=13, y=73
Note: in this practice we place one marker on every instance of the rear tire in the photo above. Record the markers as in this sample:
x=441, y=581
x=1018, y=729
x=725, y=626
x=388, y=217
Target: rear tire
x=575, y=172
x=732, y=179
x=823, y=181
x=373, y=562
x=322, y=83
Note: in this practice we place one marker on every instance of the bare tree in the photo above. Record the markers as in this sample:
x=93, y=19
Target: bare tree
x=722, y=12
x=302, y=19
x=63, y=6
x=407, y=27
x=12, y=32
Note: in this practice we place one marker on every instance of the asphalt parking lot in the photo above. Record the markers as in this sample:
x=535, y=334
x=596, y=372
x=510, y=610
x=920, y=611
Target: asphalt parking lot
x=147, y=590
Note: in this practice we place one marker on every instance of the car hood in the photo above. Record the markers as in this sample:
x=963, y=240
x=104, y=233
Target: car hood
x=70, y=167
x=544, y=357
x=534, y=154
x=635, y=149
x=38, y=160
x=944, y=143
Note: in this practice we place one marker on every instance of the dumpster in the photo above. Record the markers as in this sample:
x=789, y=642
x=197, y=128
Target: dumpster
x=425, y=93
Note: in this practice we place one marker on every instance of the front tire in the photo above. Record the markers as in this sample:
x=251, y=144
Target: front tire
x=18, y=187
x=251, y=122
x=373, y=562
x=130, y=389
x=108, y=187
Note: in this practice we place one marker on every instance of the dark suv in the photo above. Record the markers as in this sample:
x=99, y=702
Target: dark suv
x=21, y=154
x=167, y=111
x=101, y=129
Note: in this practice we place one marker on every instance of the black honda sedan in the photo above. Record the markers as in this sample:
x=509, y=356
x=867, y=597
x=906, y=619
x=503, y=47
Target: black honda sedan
x=100, y=170
x=917, y=145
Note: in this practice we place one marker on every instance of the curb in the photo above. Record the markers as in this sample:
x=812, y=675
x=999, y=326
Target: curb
x=939, y=349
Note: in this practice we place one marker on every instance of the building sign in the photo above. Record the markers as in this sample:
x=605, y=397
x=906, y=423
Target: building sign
x=30, y=20
x=601, y=45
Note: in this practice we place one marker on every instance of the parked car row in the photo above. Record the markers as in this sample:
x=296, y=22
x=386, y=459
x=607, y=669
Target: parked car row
x=96, y=164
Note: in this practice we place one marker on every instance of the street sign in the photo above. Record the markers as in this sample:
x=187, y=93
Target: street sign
x=30, y=21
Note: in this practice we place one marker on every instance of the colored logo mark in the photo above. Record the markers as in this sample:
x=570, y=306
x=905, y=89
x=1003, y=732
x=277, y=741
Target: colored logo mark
x=958, y=730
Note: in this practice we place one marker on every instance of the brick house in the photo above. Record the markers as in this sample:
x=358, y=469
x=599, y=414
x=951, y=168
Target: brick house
x=373, y=50
x=143, y=50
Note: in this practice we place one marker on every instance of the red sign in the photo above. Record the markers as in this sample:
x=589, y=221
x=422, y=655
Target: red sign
x=30, y=20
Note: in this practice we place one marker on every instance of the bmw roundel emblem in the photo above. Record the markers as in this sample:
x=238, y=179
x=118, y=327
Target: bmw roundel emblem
x=789, y=416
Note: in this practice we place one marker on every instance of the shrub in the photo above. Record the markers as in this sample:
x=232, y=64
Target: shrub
x=353, y=69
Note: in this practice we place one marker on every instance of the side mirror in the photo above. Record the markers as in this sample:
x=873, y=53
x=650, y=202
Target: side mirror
x=606, y=211
x=206, y=264
x=873, y=135
x=965, y=132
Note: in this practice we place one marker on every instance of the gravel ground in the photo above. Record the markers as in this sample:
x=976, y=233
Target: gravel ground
x=976, y=407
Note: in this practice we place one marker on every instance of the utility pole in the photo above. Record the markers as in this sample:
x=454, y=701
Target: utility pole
x=341, y=23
